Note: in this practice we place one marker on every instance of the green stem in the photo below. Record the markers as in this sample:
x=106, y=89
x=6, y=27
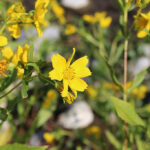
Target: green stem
x=11, y=90
x=125, y=68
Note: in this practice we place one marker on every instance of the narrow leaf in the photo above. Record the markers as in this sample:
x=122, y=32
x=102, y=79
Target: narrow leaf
x=24, y=89
x=21, y=147
x=138, y=80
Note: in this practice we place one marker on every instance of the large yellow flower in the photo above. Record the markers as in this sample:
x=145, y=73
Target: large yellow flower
x=143, y=25
x=40, y=11
x=70, y=74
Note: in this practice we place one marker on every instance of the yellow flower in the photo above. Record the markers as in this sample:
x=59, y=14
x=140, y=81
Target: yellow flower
x=15, y=15
x=20, y=72
x=111, y=86
x=3, y=67
x=92, y=92
x=40, y=11
x=17, y=56
x=3, y=40
x=21, y=55
x=59, y=12
x=7, y=53
x=15, y=12
x=143, y=25
x=93, y=131
x=70, y=29
x=140, y=92
x=51, y=96
x=70, y=74
x=48, y=137
x=104, y=21
x=89, y=18
x=15, y=31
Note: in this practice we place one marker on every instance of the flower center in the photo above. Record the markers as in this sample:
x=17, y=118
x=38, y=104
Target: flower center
x=68, y=74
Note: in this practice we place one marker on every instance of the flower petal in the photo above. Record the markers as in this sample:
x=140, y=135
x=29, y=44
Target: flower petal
x=79, y=67
x=141, y=34
x=55, y=75
x=65, y=90
x=78, y=84
x=83, y=61
x=58, y=62
x=71, y=57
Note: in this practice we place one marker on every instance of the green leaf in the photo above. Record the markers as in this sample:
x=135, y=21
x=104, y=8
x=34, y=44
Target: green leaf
x=24, y=89
x=138, y=80
x=36, y=67
x=127, y=112
x=21, y=147
x=139, y=143
x=3, y=114
x=45, y=114
x=112, y=139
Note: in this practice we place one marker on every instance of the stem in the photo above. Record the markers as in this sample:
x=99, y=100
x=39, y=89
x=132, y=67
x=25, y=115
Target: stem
x=125, y=68
x=11, y=90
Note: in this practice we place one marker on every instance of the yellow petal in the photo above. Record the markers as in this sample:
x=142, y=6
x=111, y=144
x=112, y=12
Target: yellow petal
x=3, y=41
x=105, y=22
x=17, y=57
x=58, y=62
x=79, y=67
x=65, y=88
x=55, y=75
x=7, y=53
x=82, y=72
x=141, y=34
x=24, y=57
x=71, y=57
x=14, y=31
x=20, y=72
x=78, y=84
x=83, y=61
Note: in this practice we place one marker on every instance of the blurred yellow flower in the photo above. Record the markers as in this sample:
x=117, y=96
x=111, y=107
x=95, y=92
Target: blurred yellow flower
x=20, y=72
x=51, y=96
x=104, y=21
x=93, y=131
x=70, y=74
x=48, y=137
x=140, y=92
x=89, y=18
x=58, y=11
x=99, y=17
x=70, y=29
x=7, y=53
x=111, y=86
x=39, y=15
x=14, y=30
x=3, y=41
x=3, y=67
x=15, y=14
x=92, y=92
x=143, y=24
